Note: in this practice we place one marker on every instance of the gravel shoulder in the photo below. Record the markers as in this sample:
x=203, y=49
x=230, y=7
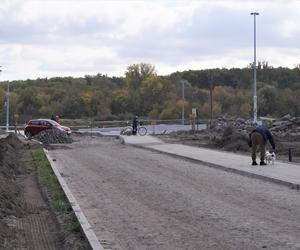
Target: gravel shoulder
x=139, y=199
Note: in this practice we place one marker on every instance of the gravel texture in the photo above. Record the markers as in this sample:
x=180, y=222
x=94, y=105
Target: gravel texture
x=138, y=199
x=53, y=136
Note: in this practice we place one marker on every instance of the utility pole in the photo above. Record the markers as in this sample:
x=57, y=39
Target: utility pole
x=6, y=104
x=254, y=72
x=211, y=102
x=182, y=114
x=7, y=107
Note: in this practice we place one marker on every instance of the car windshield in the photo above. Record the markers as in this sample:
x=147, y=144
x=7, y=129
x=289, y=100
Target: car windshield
x=54, y=123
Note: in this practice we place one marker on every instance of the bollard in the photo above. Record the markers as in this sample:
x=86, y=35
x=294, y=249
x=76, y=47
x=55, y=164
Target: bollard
x=290, y=154
x=153, y=127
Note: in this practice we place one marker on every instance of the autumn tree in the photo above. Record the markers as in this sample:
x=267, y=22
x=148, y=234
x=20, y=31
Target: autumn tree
x=134, y=77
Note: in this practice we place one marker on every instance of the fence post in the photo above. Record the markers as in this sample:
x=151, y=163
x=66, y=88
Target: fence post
x=290, y=154
x=91, y=128
x=153, y=126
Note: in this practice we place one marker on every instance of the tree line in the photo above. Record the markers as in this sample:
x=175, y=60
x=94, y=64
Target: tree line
x=145, y=93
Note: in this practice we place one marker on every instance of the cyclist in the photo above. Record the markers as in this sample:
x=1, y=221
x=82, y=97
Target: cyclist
x=135, y=125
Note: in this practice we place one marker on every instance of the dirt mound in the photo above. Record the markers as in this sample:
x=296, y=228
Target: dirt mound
x=9, y=170
x=225, y=138
x=26, y=220
x=10, y=192
x=233, y=139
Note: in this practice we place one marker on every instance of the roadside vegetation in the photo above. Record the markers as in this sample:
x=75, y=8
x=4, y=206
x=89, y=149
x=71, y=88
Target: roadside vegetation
x=48, y=178
x=58, y=202
x=142, y=91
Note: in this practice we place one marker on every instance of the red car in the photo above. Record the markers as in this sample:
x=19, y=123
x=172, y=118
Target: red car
x=35, y=126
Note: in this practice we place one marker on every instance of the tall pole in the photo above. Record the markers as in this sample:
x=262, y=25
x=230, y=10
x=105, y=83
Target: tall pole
x=7, y=108
x=211, y=103
x=254, y=72
x=182, y=114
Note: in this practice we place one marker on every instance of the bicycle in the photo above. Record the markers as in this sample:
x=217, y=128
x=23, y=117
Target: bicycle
x=128, y=130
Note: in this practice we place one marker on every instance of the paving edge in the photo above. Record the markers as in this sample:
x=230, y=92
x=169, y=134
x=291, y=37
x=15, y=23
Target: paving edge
x=228, y=169
x=85, y=226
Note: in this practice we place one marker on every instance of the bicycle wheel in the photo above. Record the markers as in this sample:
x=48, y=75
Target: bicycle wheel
x=126, y=131
x=142, y=131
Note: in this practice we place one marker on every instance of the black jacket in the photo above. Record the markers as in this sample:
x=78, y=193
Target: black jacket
x=265, y=132
x=135, y=123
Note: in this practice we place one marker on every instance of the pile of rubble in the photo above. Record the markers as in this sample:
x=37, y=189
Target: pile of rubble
x=286, y=132
x=232, y=134
x=286, y=124
x=53, y=136
x=239, y=123
x=283, y=125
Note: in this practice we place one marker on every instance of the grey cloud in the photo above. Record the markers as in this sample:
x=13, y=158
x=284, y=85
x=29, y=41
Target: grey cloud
x=49, y=31
x=216, y=33
x=212, y=32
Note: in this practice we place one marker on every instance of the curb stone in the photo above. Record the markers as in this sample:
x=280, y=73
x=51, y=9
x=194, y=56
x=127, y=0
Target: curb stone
x=86, y=228
x=228, y=169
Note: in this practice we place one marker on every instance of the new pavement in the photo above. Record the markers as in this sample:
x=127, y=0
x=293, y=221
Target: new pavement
x=281, y=172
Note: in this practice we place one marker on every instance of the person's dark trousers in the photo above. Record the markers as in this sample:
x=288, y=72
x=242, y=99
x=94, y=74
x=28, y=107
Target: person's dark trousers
x=249, y=141
x=257, y=140
x=134, y=130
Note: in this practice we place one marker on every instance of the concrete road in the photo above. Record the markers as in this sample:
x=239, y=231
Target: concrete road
x=152, y=129
x=139, y=199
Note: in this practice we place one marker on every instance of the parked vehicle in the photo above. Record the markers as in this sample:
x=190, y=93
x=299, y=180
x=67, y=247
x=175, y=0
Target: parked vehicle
x=35, y=126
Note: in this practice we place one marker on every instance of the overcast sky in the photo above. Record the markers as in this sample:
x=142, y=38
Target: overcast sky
x=76, y=38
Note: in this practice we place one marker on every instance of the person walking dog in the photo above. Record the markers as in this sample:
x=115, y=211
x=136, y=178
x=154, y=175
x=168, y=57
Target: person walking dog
x=259, y=138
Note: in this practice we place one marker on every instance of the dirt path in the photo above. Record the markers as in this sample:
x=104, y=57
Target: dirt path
x=25, y=219
x=137, y=199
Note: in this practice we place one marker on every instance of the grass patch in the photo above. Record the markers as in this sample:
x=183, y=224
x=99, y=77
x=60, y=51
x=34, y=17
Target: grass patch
x=58, y=200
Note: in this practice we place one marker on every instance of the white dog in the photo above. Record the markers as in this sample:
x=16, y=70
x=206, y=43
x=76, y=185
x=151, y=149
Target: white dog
x=270, y=157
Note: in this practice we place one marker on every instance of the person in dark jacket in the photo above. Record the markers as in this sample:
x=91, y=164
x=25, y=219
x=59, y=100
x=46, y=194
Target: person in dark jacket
x=259, y=138
x=135, y=125
x=55, y=118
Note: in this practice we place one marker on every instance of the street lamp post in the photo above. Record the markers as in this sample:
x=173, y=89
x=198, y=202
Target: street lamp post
x=211, y=102
x=254, y=72
x=7, y=108
x=182, y=114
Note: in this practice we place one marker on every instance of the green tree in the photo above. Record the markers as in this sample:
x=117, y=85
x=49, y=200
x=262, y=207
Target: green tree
x=2, y=103
x=28, y=103
x=137, y=73
x=268, y=100
x=153, y=91
x=134, y=77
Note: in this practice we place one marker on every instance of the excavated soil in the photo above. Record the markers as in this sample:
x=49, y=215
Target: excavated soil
x=26, y=220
